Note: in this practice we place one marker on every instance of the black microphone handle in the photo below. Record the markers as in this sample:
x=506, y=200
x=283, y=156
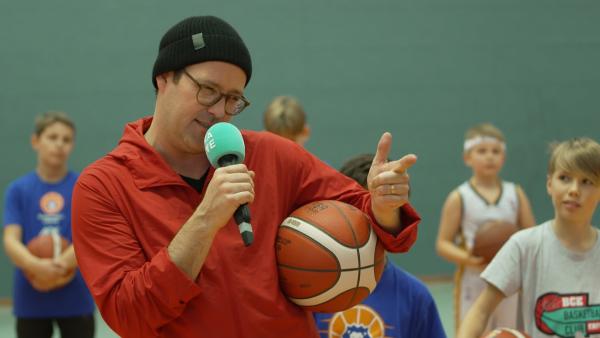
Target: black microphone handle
x=242, y=213
x=242, y=218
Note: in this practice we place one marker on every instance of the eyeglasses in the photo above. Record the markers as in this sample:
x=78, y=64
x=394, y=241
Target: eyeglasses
x=209, y=96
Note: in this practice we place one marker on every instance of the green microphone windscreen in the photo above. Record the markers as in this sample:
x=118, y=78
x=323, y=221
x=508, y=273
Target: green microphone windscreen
x=224, y=139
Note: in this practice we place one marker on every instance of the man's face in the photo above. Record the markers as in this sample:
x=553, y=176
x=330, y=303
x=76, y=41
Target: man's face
x=181, y=120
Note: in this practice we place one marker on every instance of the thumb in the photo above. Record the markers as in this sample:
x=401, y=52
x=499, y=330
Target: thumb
x=383, y=149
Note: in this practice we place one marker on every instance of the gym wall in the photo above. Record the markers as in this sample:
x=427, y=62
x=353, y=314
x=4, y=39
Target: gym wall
x=424, y=70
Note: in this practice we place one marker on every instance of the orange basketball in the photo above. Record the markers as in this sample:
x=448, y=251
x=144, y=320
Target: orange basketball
x=490, y=237
x=506, y=333
x=43, y=246
x=328, y=256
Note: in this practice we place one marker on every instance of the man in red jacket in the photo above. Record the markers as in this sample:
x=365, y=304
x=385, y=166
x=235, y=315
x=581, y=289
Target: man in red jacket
x=152, y=221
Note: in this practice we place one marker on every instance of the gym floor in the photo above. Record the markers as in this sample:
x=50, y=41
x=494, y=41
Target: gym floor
x=441, y=291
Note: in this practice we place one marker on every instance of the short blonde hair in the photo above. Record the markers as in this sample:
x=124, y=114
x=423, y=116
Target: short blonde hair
x=484, y=129
x=285, y=117
x=576, y=155
x=46, y=119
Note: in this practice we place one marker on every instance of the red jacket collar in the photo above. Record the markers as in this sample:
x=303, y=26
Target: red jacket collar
x=147, y=167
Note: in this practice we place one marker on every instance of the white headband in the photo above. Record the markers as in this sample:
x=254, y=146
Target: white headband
x=477, y=140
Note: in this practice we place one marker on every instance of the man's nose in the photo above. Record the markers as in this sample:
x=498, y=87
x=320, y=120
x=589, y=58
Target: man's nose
x=218, y=109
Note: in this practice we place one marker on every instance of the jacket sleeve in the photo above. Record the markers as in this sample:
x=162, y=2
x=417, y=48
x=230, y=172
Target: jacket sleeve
x=404, y=240
x=319, y=181
x=135, y=294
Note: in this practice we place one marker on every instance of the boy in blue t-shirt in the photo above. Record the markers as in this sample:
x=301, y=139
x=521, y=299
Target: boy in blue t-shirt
x=399, y=307
x=46, y=290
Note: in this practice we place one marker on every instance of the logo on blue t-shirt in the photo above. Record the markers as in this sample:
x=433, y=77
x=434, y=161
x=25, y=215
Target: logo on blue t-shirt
x=51, y=204
x=359, y=321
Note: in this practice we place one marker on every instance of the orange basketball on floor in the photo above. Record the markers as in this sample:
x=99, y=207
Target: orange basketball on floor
x=44, y=246
x=328, y=256
x=490, y=237
x=506, y=333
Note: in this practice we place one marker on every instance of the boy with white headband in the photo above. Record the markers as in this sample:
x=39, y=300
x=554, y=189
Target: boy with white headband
x=483, y=198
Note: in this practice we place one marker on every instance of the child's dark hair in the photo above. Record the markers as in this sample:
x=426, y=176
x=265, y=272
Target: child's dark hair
x=357, y=168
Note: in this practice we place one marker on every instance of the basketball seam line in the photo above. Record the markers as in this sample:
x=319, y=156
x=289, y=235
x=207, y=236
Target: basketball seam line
x=327, y=270
x=349, y=225
x=320, y=229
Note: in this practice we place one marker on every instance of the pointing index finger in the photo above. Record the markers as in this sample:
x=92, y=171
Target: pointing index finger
x=400, y=166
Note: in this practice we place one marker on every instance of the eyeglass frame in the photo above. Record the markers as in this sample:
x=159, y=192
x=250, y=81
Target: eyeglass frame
x=219, y=97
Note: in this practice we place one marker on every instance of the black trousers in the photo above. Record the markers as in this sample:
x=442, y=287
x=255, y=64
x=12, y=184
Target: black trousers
x=69, y=327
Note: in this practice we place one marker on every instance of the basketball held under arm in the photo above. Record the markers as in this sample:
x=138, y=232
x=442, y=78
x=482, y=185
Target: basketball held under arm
x=476, y=319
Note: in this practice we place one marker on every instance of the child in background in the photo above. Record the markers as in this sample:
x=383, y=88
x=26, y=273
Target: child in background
x=399, y=307
x=484, y=197
x=285, y=117
x=555, y=266
x=46, y=290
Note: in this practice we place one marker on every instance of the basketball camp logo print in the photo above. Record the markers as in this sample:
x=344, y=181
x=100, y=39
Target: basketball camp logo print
x=359, y=321
x=51, y=204
x=567, y=315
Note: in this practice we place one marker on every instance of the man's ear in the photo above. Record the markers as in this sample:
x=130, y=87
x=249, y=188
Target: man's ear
x=161, y=80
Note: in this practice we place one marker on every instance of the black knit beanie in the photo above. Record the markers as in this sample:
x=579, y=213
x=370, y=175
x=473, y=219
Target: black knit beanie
x=198, y=39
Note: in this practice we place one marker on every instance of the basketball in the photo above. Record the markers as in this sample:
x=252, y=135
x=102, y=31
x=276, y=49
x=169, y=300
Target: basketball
x=490, y=237
x=506, y=333
x=328, y=256
x=47, y=246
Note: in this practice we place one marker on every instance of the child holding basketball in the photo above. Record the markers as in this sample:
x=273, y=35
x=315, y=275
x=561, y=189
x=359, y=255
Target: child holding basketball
x=554, y=265
x=399, y=307
x=285, y=117
x=483, y=198
x=39, y=203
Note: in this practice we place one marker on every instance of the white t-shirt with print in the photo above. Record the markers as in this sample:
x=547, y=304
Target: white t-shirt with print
x=560, y=289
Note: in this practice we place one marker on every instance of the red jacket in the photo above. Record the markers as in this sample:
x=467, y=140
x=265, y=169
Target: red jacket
x=129, y=205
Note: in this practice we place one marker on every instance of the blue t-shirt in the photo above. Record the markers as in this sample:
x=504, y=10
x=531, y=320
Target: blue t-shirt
x=40, y=208
x=399, y=307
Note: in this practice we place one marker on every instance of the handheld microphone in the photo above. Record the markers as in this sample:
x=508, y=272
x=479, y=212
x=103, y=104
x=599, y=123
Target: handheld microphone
x=224, y=146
